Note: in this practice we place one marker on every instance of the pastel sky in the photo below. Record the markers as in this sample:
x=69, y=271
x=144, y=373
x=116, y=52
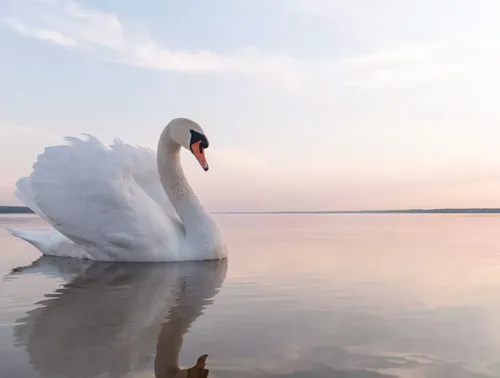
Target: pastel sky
x=308, y=104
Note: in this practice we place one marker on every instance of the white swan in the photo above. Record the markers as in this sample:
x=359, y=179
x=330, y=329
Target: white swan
x=121, y=203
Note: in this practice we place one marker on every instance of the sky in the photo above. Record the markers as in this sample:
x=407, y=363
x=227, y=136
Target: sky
x=308, y=104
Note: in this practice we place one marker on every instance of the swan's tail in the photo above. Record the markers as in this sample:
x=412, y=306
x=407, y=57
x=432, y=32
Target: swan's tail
x=51, y=243
x=32, y=237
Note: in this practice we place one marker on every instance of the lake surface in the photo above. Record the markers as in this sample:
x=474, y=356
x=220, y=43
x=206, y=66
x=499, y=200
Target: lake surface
x=342, y=296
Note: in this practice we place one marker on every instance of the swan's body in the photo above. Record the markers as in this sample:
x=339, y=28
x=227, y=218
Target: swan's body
x=121, y=203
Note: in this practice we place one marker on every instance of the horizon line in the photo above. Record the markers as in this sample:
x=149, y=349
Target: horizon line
x=491, y=210
x=375, y=211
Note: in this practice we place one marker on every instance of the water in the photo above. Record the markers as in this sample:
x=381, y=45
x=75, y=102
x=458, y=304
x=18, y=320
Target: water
x=343, y=296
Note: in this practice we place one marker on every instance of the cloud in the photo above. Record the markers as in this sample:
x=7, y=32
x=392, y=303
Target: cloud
x=70, y=24
x=393, y=65
x=42, y=34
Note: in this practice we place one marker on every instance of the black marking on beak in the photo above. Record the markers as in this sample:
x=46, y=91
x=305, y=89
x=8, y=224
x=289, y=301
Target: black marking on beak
x=198, y=137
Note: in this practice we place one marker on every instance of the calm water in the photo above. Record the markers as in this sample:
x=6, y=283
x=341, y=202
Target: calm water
x=351, y=296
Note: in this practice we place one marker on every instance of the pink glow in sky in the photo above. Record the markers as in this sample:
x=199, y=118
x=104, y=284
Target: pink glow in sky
x=326, y=105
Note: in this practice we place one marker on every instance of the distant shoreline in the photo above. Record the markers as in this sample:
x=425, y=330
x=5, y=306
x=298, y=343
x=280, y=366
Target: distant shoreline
x=15, y=210
x=26, y=210
x=407, y=211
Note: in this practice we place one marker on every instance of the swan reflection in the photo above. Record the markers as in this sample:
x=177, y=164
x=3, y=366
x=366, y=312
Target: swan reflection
x=114, y=319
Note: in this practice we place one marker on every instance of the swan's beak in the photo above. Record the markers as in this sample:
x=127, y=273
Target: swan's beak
x=199, y=153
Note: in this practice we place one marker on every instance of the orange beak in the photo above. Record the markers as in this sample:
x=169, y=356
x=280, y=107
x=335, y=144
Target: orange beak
x=199, y=153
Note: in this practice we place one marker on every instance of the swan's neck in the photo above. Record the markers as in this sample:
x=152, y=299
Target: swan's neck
x=181, y=195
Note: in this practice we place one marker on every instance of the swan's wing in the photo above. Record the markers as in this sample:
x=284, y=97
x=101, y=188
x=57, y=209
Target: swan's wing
x=88, y=196
x=140, y=161
x=144, y=169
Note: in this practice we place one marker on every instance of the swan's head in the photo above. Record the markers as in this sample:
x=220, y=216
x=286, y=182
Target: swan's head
x=191, y=136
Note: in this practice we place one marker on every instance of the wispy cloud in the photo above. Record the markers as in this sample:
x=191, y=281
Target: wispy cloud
x=42, y=34
x=71, y=24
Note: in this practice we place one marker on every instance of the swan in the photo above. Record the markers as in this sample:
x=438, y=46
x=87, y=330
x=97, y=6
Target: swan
x=121, y=203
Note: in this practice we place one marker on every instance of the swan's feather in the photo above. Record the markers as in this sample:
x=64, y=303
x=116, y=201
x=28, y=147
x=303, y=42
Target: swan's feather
x=141, y=161
x=91, y=197
x=25, y=194
x=52, y=243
